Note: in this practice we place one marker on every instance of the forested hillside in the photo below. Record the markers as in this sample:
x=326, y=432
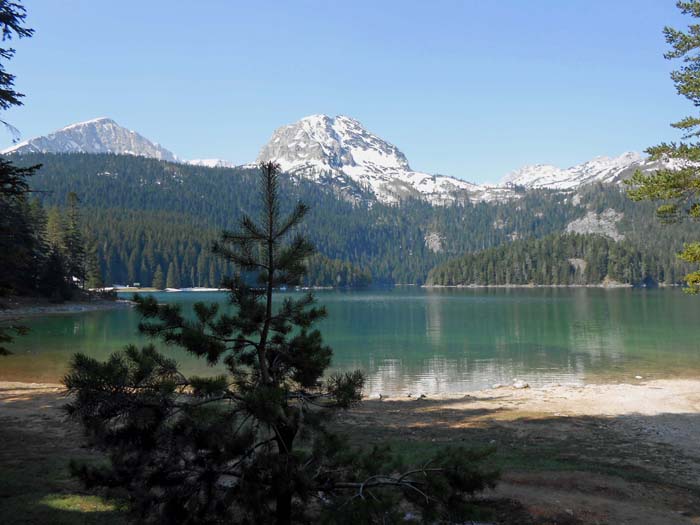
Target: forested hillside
x=145, y=214
x=568, y=259
x=148, y=218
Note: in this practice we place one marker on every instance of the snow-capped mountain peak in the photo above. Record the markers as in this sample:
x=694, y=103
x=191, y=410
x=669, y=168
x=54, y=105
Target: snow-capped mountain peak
x=599, y=169
x=341, y=151
x=341, y=154
x=100, y=135
x=212, y=163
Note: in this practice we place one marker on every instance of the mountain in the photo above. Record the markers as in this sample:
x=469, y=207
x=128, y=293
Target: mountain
x=145, y=214
x=212, y=163
x=340, y=151
x=600, y=169
x=339, y=154
x=100, y=135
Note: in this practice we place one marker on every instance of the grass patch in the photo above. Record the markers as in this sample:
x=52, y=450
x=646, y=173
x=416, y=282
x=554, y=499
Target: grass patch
x=35, y=483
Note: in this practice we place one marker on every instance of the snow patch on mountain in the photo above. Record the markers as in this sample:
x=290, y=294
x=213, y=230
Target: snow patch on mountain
x=212, y=163
x=357, y=165
x=340, y=151
x=600, y=169
x=100, y=135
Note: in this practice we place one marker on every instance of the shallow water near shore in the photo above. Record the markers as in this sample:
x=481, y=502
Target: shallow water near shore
x=433, y=341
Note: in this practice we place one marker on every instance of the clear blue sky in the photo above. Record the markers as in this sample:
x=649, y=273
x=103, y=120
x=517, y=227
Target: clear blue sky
x=472, y=89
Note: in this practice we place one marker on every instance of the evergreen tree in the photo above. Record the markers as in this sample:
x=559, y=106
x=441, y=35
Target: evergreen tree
x=55, y=229
x=53, y=280
x=251, y=446
x=93, y=271
x=158, y=279
x=73, y=241
x=18, y=247
x=12, y=17
x=679, y=187
x=173, y=279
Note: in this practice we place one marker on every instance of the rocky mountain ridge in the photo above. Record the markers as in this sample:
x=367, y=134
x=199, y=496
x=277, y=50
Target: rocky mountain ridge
x=343, y=154
x=100, y=135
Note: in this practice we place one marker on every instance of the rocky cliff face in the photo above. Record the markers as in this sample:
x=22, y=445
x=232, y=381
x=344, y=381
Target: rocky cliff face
x=604, y=223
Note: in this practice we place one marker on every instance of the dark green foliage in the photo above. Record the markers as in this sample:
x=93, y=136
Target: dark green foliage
x=569, y=259
x=53, y=281
x=8, y=330
x=147, y=213
x=250, y=446
x=74, y=242
x=678, y=186
x=93, y=271
x=158, y=279
x=173, y=278
x=12, y=17
x=20, y=251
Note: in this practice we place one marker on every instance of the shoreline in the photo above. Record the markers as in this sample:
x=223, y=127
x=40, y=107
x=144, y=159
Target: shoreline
x=26, y=309
x=642, y=397
x=516, y=286
x=665, y=411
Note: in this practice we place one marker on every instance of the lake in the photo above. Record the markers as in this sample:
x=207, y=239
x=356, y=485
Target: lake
x=414, y=340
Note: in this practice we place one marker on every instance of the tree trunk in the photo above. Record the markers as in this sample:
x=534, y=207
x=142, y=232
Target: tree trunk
x=284, y=491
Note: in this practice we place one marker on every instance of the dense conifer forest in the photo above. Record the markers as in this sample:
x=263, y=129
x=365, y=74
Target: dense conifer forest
x=560, y=259
x=152, y=223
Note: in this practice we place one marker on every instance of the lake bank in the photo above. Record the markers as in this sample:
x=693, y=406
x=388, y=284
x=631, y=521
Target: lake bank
x=604, y=453
x=23, y=307
x=609, y=285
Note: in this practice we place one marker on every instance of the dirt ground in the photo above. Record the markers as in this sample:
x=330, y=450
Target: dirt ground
x=598, y=454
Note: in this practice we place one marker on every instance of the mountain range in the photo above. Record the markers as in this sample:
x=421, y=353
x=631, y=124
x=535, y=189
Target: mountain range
x=340, y=153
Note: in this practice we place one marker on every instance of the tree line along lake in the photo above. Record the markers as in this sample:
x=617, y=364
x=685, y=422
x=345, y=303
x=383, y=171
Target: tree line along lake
x=432, y=341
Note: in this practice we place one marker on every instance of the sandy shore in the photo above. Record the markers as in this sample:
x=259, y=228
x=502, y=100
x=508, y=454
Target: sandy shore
x=663, y=408
x=598, y=453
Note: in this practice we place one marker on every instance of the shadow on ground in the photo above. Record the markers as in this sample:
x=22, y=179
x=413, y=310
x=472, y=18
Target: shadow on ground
x=37, y=444
x=623, y=469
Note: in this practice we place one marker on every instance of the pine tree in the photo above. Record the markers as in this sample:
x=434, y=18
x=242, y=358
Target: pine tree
x=158, y=279
x=173, y=279
x=55, y=229
x=52, y=281
x=73, y=241
x=12, y=17
x=679, y=188
x=251, y=446
x=93, y=276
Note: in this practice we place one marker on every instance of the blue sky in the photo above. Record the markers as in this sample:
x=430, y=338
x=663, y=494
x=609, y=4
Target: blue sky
x=471, y=89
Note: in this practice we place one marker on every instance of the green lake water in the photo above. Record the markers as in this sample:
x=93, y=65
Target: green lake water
x=435, y=341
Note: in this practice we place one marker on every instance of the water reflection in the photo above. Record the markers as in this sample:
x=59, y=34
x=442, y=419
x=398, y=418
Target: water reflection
x=435, y=341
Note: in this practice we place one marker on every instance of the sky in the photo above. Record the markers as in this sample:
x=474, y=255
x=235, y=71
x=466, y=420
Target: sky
x=467, y=88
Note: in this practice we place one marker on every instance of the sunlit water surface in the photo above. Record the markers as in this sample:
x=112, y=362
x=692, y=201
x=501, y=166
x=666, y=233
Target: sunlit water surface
x=413, y=340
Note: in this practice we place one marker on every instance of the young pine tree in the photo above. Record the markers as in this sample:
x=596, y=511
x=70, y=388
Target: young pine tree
x=250, y=445
x=679, y=186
